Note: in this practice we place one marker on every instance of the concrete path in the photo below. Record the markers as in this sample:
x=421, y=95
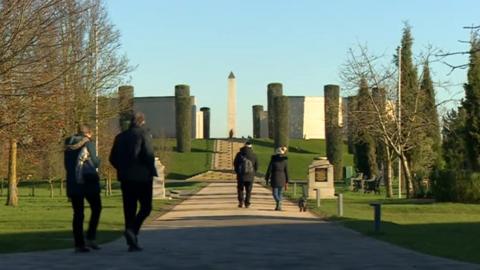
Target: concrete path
x=208, y=231
x=222, y=164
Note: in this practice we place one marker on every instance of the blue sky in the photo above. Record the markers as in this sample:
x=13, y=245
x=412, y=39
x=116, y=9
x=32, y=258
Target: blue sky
x=301, y=43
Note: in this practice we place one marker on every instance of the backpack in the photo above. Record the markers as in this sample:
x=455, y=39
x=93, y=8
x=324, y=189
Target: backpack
x=245, y=166
x=84, y=165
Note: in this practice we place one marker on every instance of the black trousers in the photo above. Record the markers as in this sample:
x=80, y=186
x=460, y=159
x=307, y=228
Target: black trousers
x=133, y=192
x=241, y=186
x=78, y=205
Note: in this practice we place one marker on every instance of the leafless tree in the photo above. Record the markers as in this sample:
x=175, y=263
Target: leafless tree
x=383, y=122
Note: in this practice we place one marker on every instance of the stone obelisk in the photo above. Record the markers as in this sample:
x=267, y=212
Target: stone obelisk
x=232, y=106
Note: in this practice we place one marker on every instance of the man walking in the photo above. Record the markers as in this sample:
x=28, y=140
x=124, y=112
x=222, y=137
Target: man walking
x=245, y=165
x=133, y=158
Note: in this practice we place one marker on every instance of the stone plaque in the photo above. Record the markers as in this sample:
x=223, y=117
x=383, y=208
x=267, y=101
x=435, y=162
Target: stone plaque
x=320, y=174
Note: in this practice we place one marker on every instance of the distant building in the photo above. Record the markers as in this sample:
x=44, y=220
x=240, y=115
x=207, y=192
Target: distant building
x=160, y=116
x=307, y=117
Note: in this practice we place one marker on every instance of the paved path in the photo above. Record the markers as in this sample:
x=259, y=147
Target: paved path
x=222, y=164
x=208, y=231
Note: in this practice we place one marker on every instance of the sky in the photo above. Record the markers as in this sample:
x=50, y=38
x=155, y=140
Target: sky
x=300, y=43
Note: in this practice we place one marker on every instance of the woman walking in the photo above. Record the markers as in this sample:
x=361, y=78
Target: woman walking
x=277, y=174
x=83, y=183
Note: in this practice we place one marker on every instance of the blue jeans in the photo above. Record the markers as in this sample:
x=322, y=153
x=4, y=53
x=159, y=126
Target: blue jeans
x=277, y=193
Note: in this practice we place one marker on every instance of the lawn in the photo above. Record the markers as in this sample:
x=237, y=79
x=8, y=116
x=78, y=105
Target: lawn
x=300, y=155
x=41, y=222
x=185, y=165
x=442, y=229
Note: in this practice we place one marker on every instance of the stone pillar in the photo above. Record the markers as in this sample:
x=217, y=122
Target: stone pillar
x=281, y=111
x=257, y=111
x=333, y=132
x=206, y=122
x=183, y=118
x=159, y=181
x=273, y=90
x=125, y=105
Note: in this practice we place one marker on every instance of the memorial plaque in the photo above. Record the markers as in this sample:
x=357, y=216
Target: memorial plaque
x=321, y=175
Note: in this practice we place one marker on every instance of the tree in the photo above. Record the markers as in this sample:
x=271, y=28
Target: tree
x=273, y=90
x=183, y=117
x=453, y=144
x=381, y=75
x=471, y=104
x=333, y=131
x=59, y=54
x=206, y=122
x=281, y=112
x=365, y=145
x=427, y=155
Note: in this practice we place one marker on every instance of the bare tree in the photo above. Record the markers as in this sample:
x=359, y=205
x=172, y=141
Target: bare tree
x=56, y=57
x=384, y=123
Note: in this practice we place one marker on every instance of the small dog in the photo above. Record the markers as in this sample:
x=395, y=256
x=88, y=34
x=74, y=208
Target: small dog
x=302, y=204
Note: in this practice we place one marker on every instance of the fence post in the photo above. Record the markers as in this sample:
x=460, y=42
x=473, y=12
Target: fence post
x=318, y=197
x=294, y=189
x=377, y=210
x=340, y=205
x=50, y=182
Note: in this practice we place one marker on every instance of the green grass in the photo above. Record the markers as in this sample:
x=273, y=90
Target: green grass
x=42, y=223
x=300, y=155
x=185, y=165
x=449, y=230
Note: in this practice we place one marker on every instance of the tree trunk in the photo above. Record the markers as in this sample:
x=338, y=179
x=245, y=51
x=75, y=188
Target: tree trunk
x=12, y=198
x=388, y=172
x=408, y=176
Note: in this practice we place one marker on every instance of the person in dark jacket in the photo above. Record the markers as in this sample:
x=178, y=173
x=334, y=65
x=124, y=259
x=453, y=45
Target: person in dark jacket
x=245, y=178
x=133, y=158
x=83, y=184
x=277, y=173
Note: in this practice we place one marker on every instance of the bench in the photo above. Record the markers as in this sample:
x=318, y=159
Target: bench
x=372, y=185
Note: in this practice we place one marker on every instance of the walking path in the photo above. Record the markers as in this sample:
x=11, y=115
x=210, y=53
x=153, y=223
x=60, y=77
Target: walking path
x=222, y=163
x=208, y=231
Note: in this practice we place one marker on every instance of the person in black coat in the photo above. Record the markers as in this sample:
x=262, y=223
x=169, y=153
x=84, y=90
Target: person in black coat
x=245, y=179
x=133, y=157
x=82, y=184
x=277, y=173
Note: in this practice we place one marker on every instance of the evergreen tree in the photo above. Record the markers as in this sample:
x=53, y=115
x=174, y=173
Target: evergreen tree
x=429, y=116
x=183, y=118
x=471, y=104
x=410, y=90
x=333, y=132
x=365, y=145
x=453, y=145
x=409, y=77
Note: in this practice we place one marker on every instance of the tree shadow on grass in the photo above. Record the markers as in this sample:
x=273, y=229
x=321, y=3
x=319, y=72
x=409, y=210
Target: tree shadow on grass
x=459, y=241
x=47, y=240
x=291, y=149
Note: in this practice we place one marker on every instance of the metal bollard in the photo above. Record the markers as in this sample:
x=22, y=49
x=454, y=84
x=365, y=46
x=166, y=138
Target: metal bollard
x=377, y=216
x=318, y=197
x=294, y=190
x=340, y=205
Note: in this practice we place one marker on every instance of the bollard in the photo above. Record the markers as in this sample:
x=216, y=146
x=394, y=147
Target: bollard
x=304, y=191
x=340, y=205
x=377, y=216
x=294, y=190
x=318, y=197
